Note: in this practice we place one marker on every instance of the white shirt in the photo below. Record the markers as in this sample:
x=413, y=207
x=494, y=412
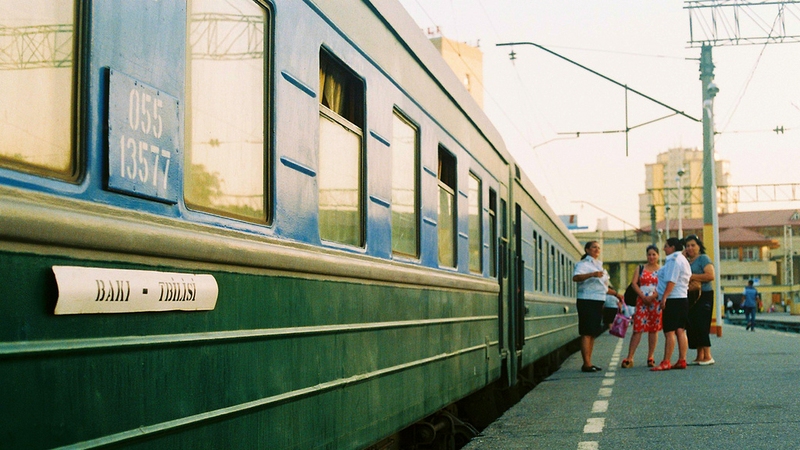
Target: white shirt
x=676, y=269
x=592, y=288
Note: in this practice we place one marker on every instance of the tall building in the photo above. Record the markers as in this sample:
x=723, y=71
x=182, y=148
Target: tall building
x=661, y=187
x=465, y=60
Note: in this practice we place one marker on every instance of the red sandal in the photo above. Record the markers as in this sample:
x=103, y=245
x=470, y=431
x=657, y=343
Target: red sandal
x=663, y=366
x=627, y=363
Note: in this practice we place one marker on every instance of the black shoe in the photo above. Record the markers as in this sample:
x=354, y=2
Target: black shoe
x=591, y=369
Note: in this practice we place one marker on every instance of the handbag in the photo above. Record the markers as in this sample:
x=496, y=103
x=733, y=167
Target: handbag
x=694, y=292
x=620, y=325
x=630, y=293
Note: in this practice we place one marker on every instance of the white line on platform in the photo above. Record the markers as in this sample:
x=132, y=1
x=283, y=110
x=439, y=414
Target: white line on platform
x=588, y=445
x=608, y=382
x=594, y=425
x=604, y=392
x=600, y=406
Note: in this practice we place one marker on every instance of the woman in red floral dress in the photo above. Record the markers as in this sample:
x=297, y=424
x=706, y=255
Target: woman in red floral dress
x=647, y=318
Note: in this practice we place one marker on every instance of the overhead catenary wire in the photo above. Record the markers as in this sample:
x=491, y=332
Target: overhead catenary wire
x=491, y=97
x=747, y=82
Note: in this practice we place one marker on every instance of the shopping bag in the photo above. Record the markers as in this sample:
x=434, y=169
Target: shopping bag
x=628, y=311
x=620, y=325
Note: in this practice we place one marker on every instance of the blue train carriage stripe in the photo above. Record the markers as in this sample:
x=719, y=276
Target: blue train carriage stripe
x=92, y=290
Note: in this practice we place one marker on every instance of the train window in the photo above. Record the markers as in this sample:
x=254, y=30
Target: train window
x=405, y=150
x=447, y=208
x=341, y=121
x=475, y=224
x=503, y=219
x=557, y=273
x=226, y=96
x=535, y=261
x=552, y=271
x=492, y=233
x=571, y=286
x=37, y=76
x=540, y=263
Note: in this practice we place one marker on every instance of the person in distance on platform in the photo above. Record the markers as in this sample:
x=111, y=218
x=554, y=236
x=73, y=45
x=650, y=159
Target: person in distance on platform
x=671, y=291
x=592, y=289
x=647, y=318
x=750, y=305
x=699, y=325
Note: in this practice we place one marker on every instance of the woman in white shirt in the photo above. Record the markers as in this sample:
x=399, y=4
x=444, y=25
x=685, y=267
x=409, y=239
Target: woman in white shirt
x=671, y=293
x=592, y=289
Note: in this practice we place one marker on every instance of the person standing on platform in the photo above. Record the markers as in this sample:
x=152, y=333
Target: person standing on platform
x=671, y=292
x=750, y=304
x=647, y=318
x=592, y=289
x=699, y=326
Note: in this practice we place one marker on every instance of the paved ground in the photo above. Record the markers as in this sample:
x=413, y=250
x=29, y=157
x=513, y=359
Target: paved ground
x=750, y=399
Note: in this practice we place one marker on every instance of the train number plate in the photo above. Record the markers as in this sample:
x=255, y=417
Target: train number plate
x=144, y=153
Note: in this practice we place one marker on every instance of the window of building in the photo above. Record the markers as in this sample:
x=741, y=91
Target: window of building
x=38, y=73
x=729, y=253
x=341, y=123
x=405, y=150
x=750, y=254
x=475, y=219
x=492, y=233
x=446, y=175
x=227, y=93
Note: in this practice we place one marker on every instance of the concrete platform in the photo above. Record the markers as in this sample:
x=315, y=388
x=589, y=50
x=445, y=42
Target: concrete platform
x=776, y=321
x=749, y=399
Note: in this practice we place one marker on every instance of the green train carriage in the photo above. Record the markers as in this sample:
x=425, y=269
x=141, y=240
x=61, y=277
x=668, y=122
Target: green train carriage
x=354, y=262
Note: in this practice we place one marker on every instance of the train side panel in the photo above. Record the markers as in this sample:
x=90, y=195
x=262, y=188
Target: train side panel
x=311, y=343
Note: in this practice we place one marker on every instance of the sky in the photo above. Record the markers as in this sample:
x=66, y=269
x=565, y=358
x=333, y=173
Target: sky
x=641, y=44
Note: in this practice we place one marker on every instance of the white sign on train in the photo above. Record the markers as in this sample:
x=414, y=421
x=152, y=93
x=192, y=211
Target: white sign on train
x=92, y=290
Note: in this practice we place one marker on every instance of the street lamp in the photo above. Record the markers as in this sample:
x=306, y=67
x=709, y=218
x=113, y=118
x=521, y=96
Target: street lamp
x=666, y=217
x=680, y=202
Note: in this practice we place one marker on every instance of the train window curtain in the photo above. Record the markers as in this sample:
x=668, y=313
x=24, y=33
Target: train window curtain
x=340, y=91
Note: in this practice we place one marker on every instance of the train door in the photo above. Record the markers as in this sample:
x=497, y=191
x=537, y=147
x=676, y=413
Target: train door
x=512, y=304
x=517, y=300
x=505, y=279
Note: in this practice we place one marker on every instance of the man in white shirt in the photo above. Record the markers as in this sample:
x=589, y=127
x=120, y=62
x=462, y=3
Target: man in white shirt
x=671, y=292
